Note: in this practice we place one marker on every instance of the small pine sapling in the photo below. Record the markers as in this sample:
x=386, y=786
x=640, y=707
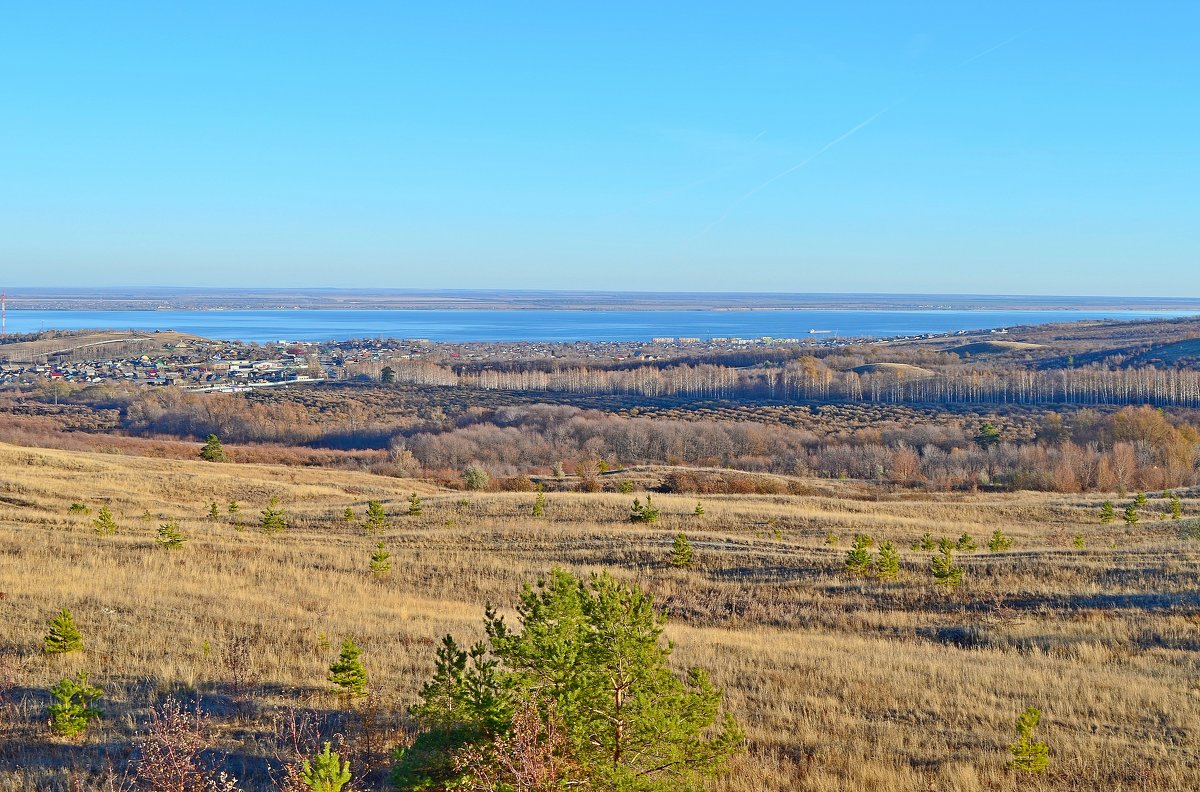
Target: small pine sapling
x=63, y=636
x=926, y=542
x=966, y=543
x=273, y=520
x=327, y=772
x=1077, y=541
x=858, y=559
x=887, y=567
x=1176, y=507
x=999, y=542
x=104, y=522
x=348, y=515
x=234, y=508
x=1131, y=515
x=414, y=505
x=539, y=503
x=169, y=535
x=1108, y=512
x=1139, y=500
x=1029, y=755
x=214, y=512
x=699, y=510
x=943, y=569
x=640, y=513
x=381, y=560
x=147, y=516
x=347, y=672
x=831, y=538
x=73, y=710
x=681, y=552
x=80, y=508
x=376, y=517
x=625, y=487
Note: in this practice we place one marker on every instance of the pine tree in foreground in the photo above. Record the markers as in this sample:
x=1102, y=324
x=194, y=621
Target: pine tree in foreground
x=326, y=772
x=681, y=552
x=628, y=721
x=699, y=510
x=104, y=522
x=347, y=672
x=1029, y=755
x=63, y=635
x=1108, y=512
x=73, y=710
x=1131, y=515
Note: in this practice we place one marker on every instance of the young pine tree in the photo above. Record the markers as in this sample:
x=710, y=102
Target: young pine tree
x=943, y=569
x=858, y=559
x=104, y=522
x=887, y=566
x=966, y=543
x=926, y=542
x=214, y=513
x=169, y=535
x=699, y=510
x=381, y=560
x=1139, y=500
x=414, y=505
x=348, y=515
x=539, y=503
x=1176, y=507
x=213, y=451
x=1029, y=755
x=1077, y=541
x=273, y=520
x=999, y=542
x=1108, y=512
x=347, y=672
x=643, y=514
x=72, y=710
x=63, y=636
x=326, y=772
x=1131, y=515
x=376, y=517
x=681, y=552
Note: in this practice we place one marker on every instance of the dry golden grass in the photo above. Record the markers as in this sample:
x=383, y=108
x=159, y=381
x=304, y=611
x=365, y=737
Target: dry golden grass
x=843, y=684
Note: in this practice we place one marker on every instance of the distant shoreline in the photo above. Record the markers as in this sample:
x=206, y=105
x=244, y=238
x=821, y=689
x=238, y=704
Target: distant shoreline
x=151, y=299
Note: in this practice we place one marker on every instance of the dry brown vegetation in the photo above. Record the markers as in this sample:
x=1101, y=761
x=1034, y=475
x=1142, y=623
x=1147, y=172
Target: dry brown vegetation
x=843, y=683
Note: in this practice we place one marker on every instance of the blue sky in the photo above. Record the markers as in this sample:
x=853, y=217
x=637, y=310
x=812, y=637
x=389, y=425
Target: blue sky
x=891, y=147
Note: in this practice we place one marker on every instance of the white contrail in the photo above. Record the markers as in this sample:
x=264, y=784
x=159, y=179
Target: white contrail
x=848, y=133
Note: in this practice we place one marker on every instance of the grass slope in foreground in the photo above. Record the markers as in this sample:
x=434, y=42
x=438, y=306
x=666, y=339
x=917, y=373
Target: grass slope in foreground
x=841, y=681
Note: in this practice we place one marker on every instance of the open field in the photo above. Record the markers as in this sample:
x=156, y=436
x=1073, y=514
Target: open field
x=841, y=683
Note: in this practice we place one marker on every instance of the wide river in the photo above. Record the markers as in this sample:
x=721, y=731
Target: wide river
x=545, y=325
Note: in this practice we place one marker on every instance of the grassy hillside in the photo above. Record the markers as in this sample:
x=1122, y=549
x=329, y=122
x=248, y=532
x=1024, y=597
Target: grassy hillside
x=842, y=682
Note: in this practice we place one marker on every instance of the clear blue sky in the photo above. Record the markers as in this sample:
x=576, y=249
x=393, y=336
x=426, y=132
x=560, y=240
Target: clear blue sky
x=1017, y=148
